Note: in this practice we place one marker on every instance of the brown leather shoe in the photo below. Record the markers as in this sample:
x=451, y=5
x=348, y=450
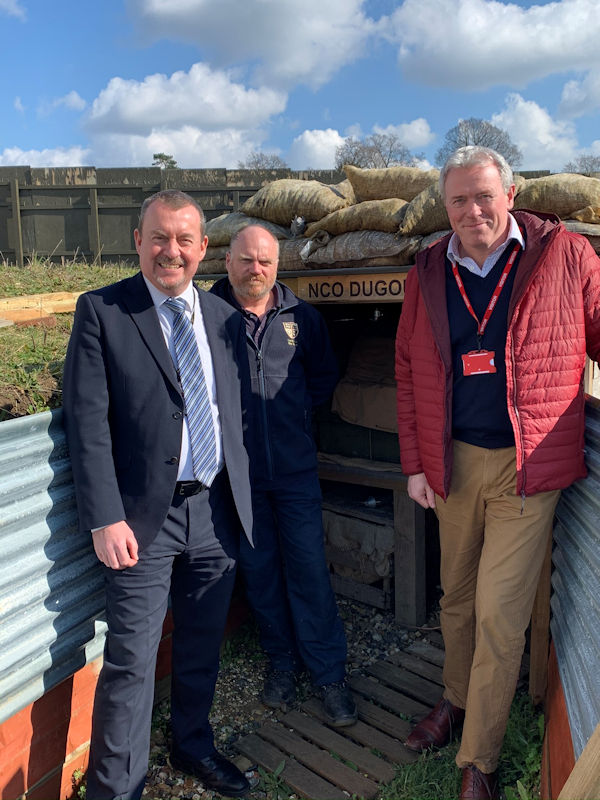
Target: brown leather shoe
x=478, y=785
x=438, y=727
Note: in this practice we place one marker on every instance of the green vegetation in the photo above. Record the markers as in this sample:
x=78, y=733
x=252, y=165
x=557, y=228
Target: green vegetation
x=41, y=276
x=436, y=776
x=32, y=357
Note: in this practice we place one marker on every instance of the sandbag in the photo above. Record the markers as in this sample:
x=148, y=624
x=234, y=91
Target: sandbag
x=345, y=190
x=290, y=259
x=221, y=229
x=562, y=194
x=589, y=214
x=425, y=214
x=363, y=249
x=379, y=184
x=281, y=201
x=591, y=232
x=371, y=215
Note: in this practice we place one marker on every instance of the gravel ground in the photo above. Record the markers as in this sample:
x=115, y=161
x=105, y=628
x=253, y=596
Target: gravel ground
x=237, y=710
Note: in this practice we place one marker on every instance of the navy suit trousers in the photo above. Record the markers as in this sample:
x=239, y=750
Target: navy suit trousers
x=194, y=557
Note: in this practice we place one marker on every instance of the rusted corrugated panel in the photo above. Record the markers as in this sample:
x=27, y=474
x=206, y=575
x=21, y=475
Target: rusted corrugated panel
x=51, y=595
x=576, y=598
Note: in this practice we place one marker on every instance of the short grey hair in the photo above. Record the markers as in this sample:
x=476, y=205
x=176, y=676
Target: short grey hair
x=473, y=155
x=172, y=198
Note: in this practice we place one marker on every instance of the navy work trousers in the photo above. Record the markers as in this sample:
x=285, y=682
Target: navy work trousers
x=287, y=579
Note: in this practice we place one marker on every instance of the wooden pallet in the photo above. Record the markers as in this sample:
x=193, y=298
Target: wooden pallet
x=323, y=763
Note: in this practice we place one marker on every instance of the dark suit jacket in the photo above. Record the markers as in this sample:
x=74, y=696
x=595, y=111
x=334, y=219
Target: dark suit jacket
x=123, y=408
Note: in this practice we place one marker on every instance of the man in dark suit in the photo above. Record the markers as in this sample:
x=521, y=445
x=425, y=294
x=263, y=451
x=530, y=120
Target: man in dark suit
x=154, y=426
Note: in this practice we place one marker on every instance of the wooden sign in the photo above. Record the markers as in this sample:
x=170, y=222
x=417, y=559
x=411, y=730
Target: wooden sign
x=360, y=287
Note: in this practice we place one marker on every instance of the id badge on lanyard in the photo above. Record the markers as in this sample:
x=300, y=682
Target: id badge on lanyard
x=482, y=362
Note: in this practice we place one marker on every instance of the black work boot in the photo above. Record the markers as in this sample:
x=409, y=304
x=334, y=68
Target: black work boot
x=279, y=689
x=338, y=703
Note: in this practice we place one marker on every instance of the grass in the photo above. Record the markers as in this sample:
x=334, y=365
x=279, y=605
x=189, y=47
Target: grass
x=435, y=776
x=32, y=357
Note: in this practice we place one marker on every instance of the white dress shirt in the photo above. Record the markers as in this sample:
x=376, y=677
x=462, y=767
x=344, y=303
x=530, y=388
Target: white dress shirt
x=467, y=262
x=194, y=313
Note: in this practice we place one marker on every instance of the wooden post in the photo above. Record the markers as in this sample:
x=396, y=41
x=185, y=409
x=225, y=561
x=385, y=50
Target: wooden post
x=540, y=632
x=16, y=214
x=410, y=585
x=96, y=246
x=584, y=782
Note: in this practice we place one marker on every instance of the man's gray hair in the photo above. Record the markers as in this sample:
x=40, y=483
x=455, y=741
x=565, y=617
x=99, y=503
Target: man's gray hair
x=175, y=199
x=473, y=155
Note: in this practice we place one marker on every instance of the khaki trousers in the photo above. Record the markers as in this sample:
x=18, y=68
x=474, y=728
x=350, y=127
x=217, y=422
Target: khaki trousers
x=492, y=548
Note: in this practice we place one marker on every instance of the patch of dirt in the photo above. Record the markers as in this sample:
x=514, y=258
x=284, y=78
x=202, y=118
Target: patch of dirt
x=15, y=401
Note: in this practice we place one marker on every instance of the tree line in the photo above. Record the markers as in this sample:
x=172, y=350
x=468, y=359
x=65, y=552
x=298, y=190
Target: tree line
x=387, y=150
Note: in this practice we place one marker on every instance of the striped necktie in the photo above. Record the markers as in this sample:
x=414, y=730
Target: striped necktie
x=195, y=394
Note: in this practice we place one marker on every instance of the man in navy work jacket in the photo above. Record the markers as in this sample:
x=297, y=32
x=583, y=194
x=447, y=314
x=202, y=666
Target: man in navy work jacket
x=292, y=370
x=161, y=477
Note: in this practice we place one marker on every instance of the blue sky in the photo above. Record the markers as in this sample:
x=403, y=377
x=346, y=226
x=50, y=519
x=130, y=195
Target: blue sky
x=110, y=83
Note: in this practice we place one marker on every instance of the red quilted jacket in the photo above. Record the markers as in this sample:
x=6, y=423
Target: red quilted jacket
x=554, y=310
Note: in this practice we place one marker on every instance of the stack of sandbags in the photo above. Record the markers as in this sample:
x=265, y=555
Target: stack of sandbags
x=220, y=232
x=380, y=217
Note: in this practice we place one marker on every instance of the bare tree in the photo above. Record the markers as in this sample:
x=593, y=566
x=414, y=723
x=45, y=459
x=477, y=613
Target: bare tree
x=257, y=160
x=583, y=164
x=164, y=161
x=479, y=132
x=375, y=151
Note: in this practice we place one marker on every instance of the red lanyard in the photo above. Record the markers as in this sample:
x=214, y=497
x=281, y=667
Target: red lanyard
x=481, y=326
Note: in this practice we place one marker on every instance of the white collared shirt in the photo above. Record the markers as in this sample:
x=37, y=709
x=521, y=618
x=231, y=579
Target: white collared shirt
x=467, y=262
x=194, y=312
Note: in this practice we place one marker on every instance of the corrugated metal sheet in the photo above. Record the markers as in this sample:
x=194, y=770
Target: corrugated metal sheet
x=51, y=596
x=576, y=597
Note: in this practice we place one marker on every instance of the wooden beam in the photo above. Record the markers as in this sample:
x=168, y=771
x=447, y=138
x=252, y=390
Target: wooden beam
x=584, y=782
x=540, y=632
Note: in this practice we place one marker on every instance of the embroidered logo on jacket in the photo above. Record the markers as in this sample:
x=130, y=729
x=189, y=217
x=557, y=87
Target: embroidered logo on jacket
x=292, y=330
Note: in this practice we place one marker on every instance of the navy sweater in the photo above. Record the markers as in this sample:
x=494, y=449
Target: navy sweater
x=479, y=410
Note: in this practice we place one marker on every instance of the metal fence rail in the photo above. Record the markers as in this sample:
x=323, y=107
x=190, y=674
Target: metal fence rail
x=51, y=593
x=575, y=600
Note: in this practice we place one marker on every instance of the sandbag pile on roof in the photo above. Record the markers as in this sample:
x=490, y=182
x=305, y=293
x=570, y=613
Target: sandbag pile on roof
x=382, y=217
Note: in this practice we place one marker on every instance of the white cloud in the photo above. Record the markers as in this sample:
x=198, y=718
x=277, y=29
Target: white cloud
x=75, y=156
x=203, y=98
x=13, y=8
x=476, y=44
x=190, y=146
x=545, y=143
x=19, y=105
x=413, y=134
x=315, y=149
x=71, y=101
x=286, y=42
x=581, y=97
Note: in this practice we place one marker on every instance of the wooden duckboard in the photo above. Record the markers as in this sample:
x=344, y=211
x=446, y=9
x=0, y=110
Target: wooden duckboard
x=320, y=762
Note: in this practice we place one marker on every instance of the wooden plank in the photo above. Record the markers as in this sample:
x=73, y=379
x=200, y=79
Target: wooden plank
x=427, y=652
x=378, y=287
x=584, y=781
x=361, y=592
x=50, y=302
x=385, y=721
x=393, y=700
x=17, y=229
x=406, y=682
x=410, y=605
x=370, y=736
x=539, y=643
x=301, y=780
x=330, y=740
x=318, y=760
x=436, y=639
x=417, y=665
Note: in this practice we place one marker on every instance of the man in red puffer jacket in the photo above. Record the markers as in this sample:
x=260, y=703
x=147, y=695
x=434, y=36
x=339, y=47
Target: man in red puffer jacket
x=490, y=357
